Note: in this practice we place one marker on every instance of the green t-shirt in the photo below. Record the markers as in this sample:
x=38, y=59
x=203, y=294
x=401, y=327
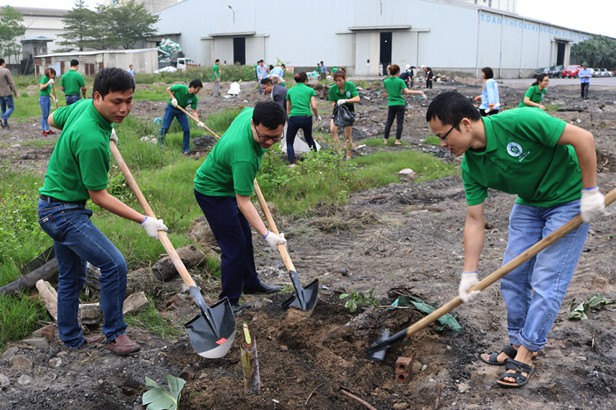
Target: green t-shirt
x=534, y=95
x=395, y=86
x=215, y=72
x=350, y=91
x=523, y=157
x=233, y=164
x=45, y=92
x=180, y=91
x=72, y=82
x=300, y=96
x=80, y=160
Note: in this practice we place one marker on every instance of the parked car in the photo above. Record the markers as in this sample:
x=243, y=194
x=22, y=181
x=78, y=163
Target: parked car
x=571, y=71
x=540, y=71
x=556, y=71
x=603, y=72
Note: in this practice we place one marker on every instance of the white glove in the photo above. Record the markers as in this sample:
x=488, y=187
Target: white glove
x=341, y=101
x=174, y=102
x=317, y=118
x=468, y=280
x=152, y=226
x=201, y=124
x=51, y=81
x=274, y=240
x=113, y=137
x=54, y=99
x=592, y=204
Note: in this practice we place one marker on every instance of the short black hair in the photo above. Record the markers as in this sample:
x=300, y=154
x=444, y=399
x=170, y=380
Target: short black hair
x=217, y=60
x=1, y=61
x=488, y=72
x=112, y=79
x=196, y=83
x=450, y=108
x=269, y=114
x=266, y=81
x=74, y=62
x=301, y=77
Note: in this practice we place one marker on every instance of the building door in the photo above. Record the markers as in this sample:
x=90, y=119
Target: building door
x=560, y=53
x=385, y=50
x=239, y=50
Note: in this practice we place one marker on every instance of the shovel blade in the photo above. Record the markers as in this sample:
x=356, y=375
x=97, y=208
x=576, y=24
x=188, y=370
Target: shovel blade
x=211, y=333
x=305, y=298
x=377, y=351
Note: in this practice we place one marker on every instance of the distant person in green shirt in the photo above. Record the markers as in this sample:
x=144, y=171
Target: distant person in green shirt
x=78, y=170
x=396, y=104
x=552, y=167
x=301, y=105
x=216, y=75
x=46, y=93
x=72, y=84
x=345, y=93
x=183, y=96
x=223, y=187
x=534, y=94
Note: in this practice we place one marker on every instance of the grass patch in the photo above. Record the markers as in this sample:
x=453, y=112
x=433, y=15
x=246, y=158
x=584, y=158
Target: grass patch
x=152, y=321
x=433, y=140
x=19, y=317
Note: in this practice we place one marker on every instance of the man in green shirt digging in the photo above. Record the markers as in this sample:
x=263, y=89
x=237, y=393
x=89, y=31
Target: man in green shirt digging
x=77, y=171
x=72, y=84
x=182, y=95
x=223, y=186
x=551, y=166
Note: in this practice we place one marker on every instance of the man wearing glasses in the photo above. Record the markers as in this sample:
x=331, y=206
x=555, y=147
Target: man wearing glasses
x=223, y=186
x=551, y=166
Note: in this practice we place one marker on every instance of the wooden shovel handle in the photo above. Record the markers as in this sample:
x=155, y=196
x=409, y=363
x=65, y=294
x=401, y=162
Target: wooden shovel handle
x=162, y=235
x=196, y=120
x=505, y=269
x=272, y=227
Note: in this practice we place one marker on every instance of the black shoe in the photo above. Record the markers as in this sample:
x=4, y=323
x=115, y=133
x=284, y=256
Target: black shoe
x=237, y=307
x=262, y=288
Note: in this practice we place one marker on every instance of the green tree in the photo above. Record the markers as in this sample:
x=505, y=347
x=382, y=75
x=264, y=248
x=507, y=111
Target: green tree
x=599, y=51
x=11, y=28
x=128, y=22
x=80, y=27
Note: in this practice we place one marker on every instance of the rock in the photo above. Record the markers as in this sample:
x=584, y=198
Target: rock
x=463, y=387
x=4, y=381
x=24, y=380
x=46, y=332
x=55, y=362
x=135, y=302
x=342, y=271
x=284, y=348
x=18, y=362
x=38, y=342
x=408, y=173
x=9, y=353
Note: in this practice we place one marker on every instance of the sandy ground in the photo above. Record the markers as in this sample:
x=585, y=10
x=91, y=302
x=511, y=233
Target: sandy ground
x=405, y=239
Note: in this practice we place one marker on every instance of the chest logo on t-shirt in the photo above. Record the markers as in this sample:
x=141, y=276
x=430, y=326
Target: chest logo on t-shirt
x=348, y=94
x=515, y=150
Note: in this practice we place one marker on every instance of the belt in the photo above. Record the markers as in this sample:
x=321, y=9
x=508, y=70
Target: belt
x=50, y=199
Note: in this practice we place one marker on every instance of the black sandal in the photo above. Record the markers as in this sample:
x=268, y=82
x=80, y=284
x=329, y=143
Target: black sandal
x=519, y=367
x=493, y=358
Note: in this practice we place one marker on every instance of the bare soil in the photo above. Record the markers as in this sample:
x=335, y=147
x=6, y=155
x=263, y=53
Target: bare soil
x=404, y=239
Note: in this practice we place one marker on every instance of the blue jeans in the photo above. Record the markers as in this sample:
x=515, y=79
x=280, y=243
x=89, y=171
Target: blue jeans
x=7, y=105
x=171, y=113
x=534, y=291
x=45, y=102
x=71, y=98
x=303, y=122
x=77, y=240
x=232, y=232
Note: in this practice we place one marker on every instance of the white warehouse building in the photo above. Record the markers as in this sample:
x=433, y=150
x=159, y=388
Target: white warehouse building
x=361, y=35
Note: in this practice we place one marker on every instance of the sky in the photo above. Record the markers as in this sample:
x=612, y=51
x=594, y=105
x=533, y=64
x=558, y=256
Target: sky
x=597, y=18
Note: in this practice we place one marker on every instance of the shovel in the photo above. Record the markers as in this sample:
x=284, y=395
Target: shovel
x=305, y=298
x=197, y=121
x=211, y=333
x=377, y=351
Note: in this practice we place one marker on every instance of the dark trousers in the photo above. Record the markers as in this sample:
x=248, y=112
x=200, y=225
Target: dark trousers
x=585, y=87
x=232, y=232
x=395, y=111
x=303, y=122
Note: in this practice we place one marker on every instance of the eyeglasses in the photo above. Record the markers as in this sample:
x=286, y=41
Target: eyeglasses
x=444, y=137
x=264, y=138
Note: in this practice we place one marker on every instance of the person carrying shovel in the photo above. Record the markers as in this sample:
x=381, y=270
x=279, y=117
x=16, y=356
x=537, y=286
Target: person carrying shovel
x=183, y=96
x=551, y=166
x=223, y=186
x=77, y=171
